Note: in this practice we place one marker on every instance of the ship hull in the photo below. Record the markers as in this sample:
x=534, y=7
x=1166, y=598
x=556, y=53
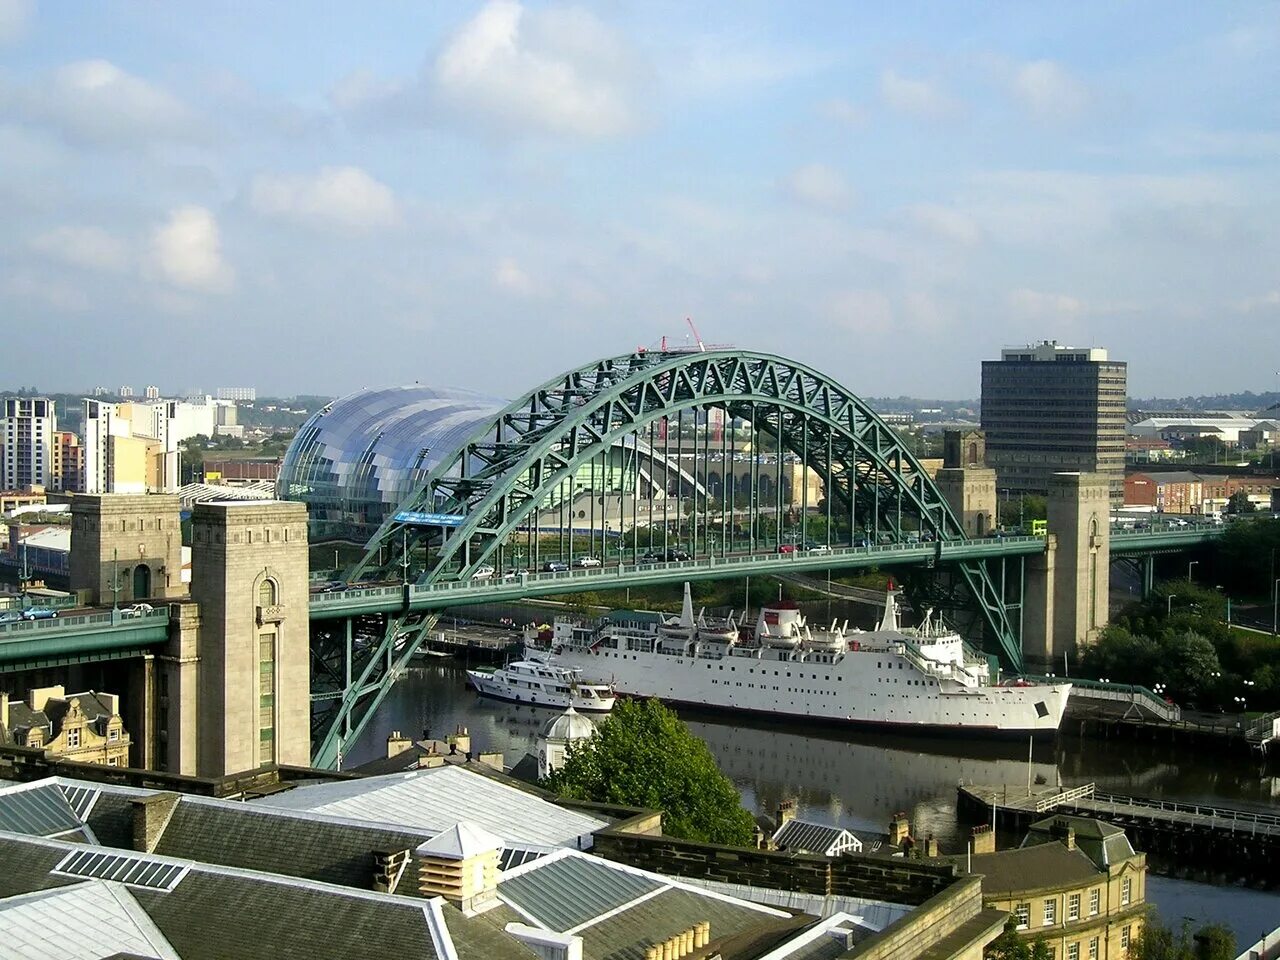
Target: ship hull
x=487, y=686
x=868, y=690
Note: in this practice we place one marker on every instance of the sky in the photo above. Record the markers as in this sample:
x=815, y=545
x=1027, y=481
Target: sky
x=313, y=197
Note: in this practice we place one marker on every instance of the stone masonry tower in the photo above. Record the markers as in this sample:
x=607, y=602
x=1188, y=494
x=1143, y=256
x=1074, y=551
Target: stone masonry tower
x=249, y=575
x=966, y=482
x=1080, y=519
x=126, y=547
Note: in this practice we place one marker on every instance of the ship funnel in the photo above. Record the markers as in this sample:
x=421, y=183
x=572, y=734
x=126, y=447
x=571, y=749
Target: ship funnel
x=890, y=619
x=686, y=611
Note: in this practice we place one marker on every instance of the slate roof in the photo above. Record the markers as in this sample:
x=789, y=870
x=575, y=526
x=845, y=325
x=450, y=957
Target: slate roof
x=435, y=799
x=215, y=912
x=1103, y=843
x=460, y=842
x=105, y=919
x=22, y=718
x=1044, y=866
x=805, y=836
x=278, y=841
x=620, y=910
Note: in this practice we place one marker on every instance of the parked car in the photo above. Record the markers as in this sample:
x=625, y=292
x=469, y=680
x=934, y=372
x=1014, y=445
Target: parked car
x=554, y=566
x=39, y=613
x=482, y=573
x=586, y=561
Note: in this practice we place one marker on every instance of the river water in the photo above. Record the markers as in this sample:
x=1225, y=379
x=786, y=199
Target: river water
x=861, y=780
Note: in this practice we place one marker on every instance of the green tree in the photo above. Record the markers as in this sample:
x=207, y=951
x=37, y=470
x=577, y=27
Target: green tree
x=1010, y=946
x=1239, y=502
x=644, y=756
x=1158, y=941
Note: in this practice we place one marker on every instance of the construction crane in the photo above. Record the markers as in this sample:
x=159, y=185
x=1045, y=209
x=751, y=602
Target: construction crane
x=696, y=335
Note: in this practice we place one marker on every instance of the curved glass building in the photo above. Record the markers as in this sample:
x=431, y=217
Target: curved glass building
x=357, y=459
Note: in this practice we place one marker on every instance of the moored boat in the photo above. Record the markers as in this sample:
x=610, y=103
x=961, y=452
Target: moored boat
x=543, y=684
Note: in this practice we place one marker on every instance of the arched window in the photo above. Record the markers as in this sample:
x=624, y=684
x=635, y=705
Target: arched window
x=973, y=453
x=267, y=593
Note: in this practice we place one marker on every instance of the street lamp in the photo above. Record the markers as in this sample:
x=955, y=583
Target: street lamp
x=1190, y=564
x=1275, y=607
x=1168, y=604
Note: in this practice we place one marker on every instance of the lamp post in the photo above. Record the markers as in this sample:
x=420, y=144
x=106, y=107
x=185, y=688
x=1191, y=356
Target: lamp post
x=1190, y=564
x=1168, y=604
x=1275, y=607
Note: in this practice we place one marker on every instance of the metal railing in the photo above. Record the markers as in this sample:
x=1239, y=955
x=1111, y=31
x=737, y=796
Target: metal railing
x=27, y=629
x=1225, y=817
x=1131, y=693
x=1066, y=796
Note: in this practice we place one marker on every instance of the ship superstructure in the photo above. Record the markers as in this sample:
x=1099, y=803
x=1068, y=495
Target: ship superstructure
x=921, y=677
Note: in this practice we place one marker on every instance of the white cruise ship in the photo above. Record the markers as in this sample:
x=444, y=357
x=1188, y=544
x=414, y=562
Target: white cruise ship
x=915, y=678
x=543, y=684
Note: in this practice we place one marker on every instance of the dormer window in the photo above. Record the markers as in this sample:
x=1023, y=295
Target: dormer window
x=73, y=739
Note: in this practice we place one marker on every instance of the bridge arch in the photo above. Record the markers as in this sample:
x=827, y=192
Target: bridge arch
x=461, y=515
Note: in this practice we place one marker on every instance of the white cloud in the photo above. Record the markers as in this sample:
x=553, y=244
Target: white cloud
x=513, y=278
x=187, y=250
x=14, y=15
x=818, y=185
x=342, y=196
x=842, y=112
x=918, y=97
x=1047, y=91
x=1268, y=302
x=1035, y=305
x=945, y=223
x=96, y=101
x=861, y=311
x=90, y=247
x=559, y=72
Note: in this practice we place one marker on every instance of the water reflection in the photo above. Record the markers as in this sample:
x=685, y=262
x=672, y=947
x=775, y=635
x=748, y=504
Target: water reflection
x=857, y=780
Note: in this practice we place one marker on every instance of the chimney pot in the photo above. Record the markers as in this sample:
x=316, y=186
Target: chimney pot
x=150, y=816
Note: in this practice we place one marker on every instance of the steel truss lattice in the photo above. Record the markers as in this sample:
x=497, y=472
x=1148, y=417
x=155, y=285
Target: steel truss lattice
x=496, y=481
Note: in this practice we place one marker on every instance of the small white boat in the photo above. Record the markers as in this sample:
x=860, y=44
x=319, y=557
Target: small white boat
x=543, y=685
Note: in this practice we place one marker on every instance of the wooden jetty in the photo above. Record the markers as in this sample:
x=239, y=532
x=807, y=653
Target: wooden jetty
x=1222, y=844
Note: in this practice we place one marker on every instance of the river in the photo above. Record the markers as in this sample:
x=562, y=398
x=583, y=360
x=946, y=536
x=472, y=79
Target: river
x=862, y=780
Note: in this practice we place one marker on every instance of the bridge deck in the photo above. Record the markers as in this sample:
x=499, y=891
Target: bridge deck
x=1085, y=801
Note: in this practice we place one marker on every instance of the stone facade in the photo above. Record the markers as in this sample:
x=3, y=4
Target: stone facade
x=126, y=548
x=1080, y=518
x=84, y=727
x=249, y=575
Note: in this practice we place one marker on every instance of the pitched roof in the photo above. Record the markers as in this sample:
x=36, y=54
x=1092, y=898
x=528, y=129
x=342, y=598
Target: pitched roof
x=84, y=921
x=1103, y=843
x=620, y=910
x=460, y=842
x=805, y=836
x=1033, y=868
x=436, y=798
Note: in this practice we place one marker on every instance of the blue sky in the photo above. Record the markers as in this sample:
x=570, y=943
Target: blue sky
x=315, y=197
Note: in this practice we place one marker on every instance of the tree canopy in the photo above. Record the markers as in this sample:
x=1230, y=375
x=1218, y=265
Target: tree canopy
x=644, y=756
x=1213, y=941
x=1010, y=946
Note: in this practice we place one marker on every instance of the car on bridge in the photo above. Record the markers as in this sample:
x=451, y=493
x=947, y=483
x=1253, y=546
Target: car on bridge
x=137, y=610
x=652, y=556
x=586, y=561
x=482, y=573
x=555, y=566
x=812, y=546
x=676, y=555
x=786, y=548
x=330, y=586
x=39, y=613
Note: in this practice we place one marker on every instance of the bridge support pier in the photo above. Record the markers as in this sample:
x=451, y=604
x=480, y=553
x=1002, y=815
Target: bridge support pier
x=1080, y=518
x=1037, y=614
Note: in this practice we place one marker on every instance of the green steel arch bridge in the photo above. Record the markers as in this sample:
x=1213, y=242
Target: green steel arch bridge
x=483, y=510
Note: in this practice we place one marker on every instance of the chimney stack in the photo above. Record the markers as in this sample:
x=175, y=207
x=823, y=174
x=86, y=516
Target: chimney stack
x=388, y=867
x=899, y=829
x=150, y=816
x=984, y=839
x=397, y=744
x=786, y=812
